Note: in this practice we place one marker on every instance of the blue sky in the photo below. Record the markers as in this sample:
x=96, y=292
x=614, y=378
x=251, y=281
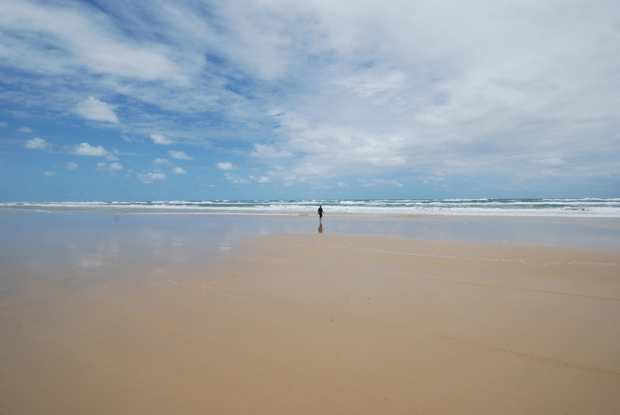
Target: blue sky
x=281, y=99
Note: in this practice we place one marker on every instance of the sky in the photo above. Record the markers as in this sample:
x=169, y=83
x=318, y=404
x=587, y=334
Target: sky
x=321, y=99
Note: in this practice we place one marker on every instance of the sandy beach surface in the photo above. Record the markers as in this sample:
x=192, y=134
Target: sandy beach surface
x=136, y=315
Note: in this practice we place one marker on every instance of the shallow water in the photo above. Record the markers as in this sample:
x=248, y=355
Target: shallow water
x=41, y=237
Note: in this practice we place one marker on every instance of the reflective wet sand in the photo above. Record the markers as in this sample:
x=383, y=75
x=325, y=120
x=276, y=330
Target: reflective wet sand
x=157, y=314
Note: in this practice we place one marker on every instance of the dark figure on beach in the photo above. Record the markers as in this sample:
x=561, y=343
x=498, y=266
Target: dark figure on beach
x=320, y=213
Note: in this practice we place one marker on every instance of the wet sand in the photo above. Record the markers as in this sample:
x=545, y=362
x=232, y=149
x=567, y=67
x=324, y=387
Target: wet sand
x=178, y=316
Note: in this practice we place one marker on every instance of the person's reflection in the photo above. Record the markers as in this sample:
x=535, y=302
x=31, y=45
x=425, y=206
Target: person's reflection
x=321, y=227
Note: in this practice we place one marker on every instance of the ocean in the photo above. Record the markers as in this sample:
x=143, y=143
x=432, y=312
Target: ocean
x=587, y=207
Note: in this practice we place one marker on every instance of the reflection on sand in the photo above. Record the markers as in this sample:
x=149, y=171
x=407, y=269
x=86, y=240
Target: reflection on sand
x=161, y=314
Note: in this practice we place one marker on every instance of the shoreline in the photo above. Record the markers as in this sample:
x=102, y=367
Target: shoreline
x=337, y=215
x=602, y=233
x=558, y=207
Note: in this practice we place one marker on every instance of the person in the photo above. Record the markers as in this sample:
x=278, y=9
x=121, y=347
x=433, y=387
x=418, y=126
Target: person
x=321, y=213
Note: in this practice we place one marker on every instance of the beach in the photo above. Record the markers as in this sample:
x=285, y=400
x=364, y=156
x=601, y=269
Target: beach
x=136, y=313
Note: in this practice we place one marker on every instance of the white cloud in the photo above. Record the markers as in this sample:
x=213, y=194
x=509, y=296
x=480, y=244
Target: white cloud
x=234, y=178
x=224, y=165
x=77, y=29
x=85, y=149
x=151, y=176
x=382, y=182
x=160, y=139
x=162, y=161
x=112, y=167
x=49, y=174
x=551, y=161
x=452, y=93
x=379, y=87
x=25, y=130
x=179, y=155
x=38, y=144
x=72, y=165
x=269, y=151
x=177, y=170
x=93, y=109
x=362, y=88
x=331, y=150
x=261, y=179
x=429, y=179
x=3, y=124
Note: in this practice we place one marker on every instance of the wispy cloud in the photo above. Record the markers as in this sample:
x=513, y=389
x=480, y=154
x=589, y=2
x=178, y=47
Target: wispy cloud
x=38, y=144
x=112, y=54
x=382, y=182
x=72, y=165
x=85, y=149
x=112, y=167
x=25, y=130
x=269, y=152
x=177, y=170
x=235, y=178
x=149, y=177
x=160, y=139
x=179, y=155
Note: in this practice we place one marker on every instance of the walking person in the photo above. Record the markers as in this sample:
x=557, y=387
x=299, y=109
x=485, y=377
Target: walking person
x=320, y=213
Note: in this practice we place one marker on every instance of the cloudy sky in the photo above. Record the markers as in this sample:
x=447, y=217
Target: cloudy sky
x=282, y=99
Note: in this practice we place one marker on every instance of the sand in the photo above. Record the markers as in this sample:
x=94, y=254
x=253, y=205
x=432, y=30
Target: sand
x=307, y=324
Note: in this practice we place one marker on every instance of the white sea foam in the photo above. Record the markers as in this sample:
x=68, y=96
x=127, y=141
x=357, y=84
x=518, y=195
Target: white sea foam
x=590, y=207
